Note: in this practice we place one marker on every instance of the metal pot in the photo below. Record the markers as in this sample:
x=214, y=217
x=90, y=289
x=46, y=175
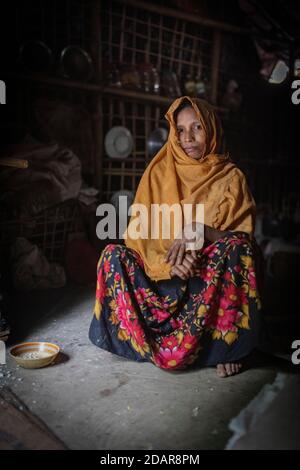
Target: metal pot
x=76, y=64
x=156, y=140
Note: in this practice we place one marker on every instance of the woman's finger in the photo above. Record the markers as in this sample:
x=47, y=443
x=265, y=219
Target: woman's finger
x=180, y=254
x=190, y=259
x=177, y=272
x=194, y=262
x=182, y=271
x=189, y=266
x=169, y=252
x=174, y=255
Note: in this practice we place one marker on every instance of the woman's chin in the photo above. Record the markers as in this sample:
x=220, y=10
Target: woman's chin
x=194, y=156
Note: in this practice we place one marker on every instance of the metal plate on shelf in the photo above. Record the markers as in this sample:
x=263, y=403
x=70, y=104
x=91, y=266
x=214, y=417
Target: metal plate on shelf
x=118, y=142
x=35, y=56
x=156, y=140
x=76, y=63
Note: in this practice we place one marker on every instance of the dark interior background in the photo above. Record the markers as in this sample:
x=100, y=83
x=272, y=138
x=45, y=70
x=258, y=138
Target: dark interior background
x=261, y=133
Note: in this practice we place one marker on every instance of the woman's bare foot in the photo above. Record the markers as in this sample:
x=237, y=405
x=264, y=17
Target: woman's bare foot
x=226, y=370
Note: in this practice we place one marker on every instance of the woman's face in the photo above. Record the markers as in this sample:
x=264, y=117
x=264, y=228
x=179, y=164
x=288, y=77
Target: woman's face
x=191, y=134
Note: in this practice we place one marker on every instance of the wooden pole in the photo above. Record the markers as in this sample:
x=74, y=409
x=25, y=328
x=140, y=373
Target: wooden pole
x=96, y=100
x=216, y=53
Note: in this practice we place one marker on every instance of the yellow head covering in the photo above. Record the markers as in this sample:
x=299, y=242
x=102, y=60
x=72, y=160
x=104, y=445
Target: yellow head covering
x=174, y=177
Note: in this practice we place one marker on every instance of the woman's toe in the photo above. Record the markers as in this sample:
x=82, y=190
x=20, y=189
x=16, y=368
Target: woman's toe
x=236, y=367
x=221, y=371
x=226, y=370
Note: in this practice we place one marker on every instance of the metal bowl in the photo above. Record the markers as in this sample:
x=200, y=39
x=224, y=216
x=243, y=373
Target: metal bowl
x=156, y=140
x=76, y=63
x=35, y=56
x=35, y=354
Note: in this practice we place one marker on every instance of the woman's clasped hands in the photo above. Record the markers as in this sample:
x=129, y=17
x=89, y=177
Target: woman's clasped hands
x=181, y=255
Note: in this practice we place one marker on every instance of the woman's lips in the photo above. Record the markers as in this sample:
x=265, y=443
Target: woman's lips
x=190, y=149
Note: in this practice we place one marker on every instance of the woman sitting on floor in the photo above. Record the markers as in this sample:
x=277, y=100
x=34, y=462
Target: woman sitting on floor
x=161, y=302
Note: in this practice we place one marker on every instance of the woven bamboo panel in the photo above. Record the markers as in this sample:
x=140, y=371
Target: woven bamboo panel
x=141, y=120
x=49, y=230
x=127, y=32
x=132, y=36
x=58, y=23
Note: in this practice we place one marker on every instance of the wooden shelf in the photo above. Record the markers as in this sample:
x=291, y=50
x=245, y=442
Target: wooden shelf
x=184, y=16
x=115, y=31
x=207, y=22
x=134, y=95
x=130, y=32
x=93, y=87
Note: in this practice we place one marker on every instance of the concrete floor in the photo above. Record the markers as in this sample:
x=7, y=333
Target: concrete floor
x=92, y=399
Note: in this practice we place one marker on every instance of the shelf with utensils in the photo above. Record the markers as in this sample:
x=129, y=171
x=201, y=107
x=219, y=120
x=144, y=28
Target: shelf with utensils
x=91, y=87
x=163, y=45
x=129, y=94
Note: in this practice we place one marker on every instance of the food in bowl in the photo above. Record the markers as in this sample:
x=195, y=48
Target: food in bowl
x=34, y=355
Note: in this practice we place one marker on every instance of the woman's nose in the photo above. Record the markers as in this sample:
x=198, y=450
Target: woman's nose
x=188, y=137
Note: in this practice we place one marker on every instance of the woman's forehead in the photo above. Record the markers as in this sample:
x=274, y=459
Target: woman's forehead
x=187, y=115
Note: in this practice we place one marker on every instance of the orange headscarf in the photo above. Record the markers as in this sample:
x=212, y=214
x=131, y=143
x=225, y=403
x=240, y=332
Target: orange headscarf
x=174, y=177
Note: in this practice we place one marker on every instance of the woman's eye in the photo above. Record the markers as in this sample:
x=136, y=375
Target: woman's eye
x=198, y=127
x=179, y=130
